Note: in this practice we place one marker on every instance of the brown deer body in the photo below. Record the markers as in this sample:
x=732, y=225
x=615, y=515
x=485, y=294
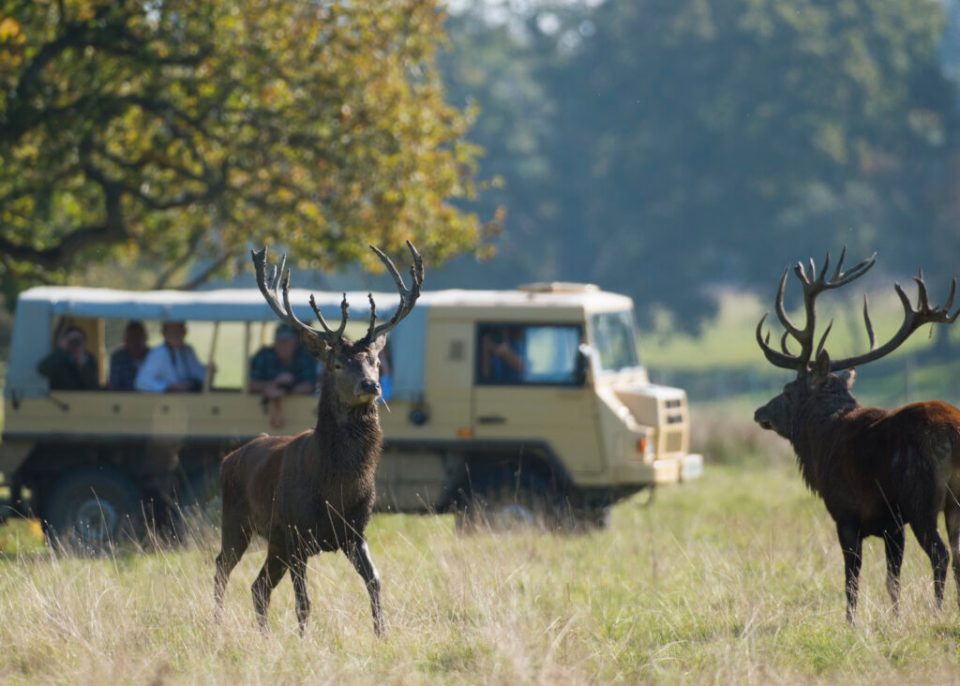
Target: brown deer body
x=877, y=471
x=313, y=492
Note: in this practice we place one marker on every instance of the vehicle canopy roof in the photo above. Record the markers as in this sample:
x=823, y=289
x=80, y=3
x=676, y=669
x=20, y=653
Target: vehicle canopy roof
x=38, y=309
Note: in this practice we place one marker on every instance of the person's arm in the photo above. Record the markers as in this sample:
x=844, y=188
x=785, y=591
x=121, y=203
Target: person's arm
x=506, y=353
x=198, y=371
x=90, y=374
x=306, y=379
x=48, y=365
x=153, y=376
x=258, y=376
x=113, y=376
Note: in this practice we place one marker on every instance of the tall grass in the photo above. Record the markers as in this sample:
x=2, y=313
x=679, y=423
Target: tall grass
x=736, y=578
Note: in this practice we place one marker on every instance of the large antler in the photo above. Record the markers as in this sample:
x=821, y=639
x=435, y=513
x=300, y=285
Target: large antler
x=280, y=278
x=408, y=296
x=813, y=285
x=913, y=319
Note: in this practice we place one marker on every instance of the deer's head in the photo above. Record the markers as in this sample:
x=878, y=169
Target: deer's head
x=351, y=368
x=823, y=386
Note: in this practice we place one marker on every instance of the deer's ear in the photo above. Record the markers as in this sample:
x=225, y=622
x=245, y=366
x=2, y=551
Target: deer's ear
x=315, y=345
x=378, y=344
x=848, y=376
x=821, y=369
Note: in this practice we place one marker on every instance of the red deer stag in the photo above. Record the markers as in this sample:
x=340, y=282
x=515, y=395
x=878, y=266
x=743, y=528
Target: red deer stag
x=313, y=492
x=876, y=470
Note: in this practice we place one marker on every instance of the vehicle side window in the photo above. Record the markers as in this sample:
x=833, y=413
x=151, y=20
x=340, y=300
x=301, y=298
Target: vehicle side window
x=518, y=354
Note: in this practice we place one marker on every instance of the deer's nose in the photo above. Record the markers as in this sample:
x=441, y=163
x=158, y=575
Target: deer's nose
x=369, y=387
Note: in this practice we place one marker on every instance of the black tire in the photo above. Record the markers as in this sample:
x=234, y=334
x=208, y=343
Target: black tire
x=91, y=510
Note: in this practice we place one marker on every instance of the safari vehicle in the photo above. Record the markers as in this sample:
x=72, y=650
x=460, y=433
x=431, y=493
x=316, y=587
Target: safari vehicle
x=577, y=424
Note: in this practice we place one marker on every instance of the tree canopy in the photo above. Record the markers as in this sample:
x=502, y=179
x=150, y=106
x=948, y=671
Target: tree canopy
x=180, y=131
x=687, y=143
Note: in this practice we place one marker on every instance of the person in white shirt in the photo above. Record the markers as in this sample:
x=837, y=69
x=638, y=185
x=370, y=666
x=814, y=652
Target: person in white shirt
x=172, y=367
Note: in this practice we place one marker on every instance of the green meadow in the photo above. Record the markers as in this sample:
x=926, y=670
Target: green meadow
x=734, y=578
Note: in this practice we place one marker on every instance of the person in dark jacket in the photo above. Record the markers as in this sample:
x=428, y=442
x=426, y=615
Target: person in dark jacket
x=125, y=361
x=70, y=367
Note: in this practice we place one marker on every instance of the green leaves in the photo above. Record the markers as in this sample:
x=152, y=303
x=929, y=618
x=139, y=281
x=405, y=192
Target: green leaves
x=185, y=130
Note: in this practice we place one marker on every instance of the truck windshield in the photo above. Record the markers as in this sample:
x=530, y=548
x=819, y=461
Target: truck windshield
x=614, y=341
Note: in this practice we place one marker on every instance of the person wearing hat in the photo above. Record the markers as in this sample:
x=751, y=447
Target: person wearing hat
x=70, y=367
x=285, y=367
x=172, y=367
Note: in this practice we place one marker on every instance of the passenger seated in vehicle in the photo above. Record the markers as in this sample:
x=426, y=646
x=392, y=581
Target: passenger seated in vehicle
x=126, y=360
x=70, y=367
x=172, y=367
x=386, y=373
x=285, y=367
x=502, y=354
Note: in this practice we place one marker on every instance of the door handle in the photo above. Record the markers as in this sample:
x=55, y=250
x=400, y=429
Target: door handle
x=491, y=419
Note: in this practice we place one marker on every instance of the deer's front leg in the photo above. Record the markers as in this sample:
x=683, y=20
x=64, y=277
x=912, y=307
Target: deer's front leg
x=852, y=544
x=359, y=554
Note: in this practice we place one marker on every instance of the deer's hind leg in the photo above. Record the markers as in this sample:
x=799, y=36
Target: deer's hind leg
x=234, y=539
x=929, y=539
x=952, y=515
x=893, y=542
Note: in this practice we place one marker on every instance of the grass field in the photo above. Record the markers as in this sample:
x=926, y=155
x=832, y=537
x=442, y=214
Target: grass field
x=736, y=578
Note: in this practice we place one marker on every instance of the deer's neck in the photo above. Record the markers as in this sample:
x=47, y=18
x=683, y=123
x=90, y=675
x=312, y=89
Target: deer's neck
x=817, y=434
x=347, y=436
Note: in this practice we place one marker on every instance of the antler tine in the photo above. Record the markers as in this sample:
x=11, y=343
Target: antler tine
x=373, y=316
x=280, y=280
x=408, y=296
x=839, y=271
x=826, y=266
x=823, y=339
x=868, y=323
x=858, y=270
x=913, y=319
x=781, y=310
x=285, y=289
x=777, y=359
x=953, y=292
x=783, y=342
x=923, y=300
x=344, y=315
x=814, y=283
x=316, y=311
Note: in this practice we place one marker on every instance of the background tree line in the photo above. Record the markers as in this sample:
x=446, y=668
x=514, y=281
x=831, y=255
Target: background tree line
x=658, y=147
x=661, y=147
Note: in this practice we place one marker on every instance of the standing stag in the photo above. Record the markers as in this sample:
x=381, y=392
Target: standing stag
x=877, y=470
x=313, y=492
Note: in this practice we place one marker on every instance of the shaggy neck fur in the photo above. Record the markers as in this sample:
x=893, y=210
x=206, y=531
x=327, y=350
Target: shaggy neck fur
x=815, y=433
x=349, y=432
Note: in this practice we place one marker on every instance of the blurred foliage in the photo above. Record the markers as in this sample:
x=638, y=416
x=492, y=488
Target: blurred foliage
x=661, y=147
x=177, y=133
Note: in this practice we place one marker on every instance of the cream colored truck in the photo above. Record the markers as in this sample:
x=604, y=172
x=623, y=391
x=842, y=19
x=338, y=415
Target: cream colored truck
x=572, y=422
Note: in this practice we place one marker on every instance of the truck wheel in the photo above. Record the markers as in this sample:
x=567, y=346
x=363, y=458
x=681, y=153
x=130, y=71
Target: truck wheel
x=91, y=510
x=502, y=503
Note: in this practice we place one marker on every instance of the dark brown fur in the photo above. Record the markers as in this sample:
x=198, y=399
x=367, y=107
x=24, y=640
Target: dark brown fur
x=309, y=493
x=876, y=470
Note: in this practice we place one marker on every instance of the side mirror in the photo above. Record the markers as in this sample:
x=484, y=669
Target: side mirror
x=582, y=364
